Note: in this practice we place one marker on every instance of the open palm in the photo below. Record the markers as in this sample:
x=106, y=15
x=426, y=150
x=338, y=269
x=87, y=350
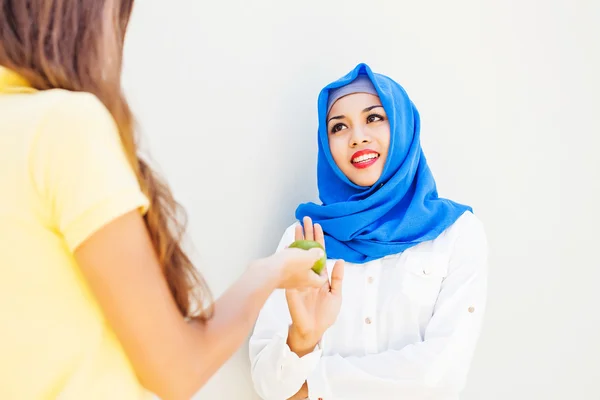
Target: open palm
x=313, y=311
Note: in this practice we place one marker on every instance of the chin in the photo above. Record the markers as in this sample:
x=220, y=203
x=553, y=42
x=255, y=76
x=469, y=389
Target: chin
x=363, y=178
x=364, y=182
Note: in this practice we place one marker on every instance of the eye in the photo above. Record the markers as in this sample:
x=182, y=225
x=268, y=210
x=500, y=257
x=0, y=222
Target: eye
x=374, y=118
x=337, y=128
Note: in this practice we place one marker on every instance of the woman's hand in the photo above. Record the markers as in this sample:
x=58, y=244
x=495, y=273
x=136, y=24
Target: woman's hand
x=292, y=268
x=313, y=310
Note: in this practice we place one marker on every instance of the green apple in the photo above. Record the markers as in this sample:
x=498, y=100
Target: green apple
x=311, y=244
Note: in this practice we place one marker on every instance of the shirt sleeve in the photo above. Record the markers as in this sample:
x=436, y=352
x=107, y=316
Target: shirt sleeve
x=80, y=170
x=439, y=364
x=277, y=372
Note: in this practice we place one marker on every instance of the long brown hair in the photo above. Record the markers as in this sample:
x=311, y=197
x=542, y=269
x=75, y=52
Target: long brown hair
x=77, y=45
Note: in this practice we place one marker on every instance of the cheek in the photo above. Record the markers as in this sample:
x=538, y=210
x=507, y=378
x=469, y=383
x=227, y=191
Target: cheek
x=383, y=137
x=338, y=151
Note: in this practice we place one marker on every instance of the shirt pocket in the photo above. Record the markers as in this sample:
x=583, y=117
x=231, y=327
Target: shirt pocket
x=423, y=274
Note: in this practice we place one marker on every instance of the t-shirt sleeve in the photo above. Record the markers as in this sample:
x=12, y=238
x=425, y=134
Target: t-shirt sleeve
x=80, y=169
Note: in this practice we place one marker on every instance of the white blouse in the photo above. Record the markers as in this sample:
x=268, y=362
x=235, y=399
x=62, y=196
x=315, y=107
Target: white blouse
x=407, y=327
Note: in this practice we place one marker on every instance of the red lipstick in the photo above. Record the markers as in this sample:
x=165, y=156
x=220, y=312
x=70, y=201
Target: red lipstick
x=364, y=158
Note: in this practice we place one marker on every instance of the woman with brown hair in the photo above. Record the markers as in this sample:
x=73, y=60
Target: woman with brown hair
x=97, y=297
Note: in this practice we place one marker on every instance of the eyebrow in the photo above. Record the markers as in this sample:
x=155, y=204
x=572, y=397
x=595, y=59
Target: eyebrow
x=364, y=111
x=372, y=107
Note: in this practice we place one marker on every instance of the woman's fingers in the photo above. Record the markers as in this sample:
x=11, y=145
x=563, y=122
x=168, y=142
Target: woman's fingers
x=299, y=233
x=337, y=276
x=308, y=229
x=319, y=235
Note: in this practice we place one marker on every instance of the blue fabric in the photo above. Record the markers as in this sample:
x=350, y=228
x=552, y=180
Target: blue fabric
x=402, y=209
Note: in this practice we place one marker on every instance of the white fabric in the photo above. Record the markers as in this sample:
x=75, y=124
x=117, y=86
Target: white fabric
x=407, y=328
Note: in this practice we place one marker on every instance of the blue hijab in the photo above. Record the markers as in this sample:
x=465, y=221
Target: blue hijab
x=402, y=209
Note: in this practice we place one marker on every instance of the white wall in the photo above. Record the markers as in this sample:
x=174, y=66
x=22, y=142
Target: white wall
x=226, y=94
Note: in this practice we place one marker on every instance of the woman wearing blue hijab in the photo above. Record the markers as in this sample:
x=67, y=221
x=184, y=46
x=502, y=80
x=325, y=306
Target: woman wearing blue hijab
x=411, y=266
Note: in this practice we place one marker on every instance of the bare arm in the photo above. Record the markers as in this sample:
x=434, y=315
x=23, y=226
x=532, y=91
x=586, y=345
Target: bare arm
x=174, y=358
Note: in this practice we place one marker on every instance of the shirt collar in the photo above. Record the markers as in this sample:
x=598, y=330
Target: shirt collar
x=11, y=82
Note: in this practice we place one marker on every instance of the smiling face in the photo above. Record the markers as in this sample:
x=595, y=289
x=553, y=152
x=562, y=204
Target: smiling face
x=359, y=137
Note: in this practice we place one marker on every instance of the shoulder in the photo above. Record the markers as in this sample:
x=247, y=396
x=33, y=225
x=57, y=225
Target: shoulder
x=465, y=238
x=469, y=241
x=60, y=101
x=75, y=136
x=66, y=108
x=58, y=111
x=73, y=121
x=468, y=225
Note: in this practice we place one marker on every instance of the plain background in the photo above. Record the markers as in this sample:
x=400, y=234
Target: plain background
x=225, y=93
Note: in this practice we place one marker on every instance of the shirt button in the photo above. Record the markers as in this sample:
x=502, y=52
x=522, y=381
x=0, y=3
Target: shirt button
x=471, y=309
x=368, y=321
x=370, y=279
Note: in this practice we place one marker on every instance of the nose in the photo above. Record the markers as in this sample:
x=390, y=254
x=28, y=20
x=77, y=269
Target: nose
x=359, y=136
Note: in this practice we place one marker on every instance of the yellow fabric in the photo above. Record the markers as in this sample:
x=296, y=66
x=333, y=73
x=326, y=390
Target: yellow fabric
x=63, y=175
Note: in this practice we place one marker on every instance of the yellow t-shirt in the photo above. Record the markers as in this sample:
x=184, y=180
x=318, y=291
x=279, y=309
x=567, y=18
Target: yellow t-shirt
x=63, y=175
